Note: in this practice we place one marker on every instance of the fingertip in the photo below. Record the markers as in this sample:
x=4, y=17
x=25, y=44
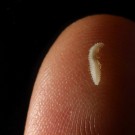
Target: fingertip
x=64, y=95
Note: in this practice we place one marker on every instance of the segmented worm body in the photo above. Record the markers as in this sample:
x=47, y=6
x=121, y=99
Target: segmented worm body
x=94, y=64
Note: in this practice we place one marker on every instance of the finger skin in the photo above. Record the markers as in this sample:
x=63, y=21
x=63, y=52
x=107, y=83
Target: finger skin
x=65, y=100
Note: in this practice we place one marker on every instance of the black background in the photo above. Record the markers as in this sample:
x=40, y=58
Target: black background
x=28, y=29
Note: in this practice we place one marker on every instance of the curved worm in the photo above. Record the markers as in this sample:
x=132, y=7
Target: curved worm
x=94, y=64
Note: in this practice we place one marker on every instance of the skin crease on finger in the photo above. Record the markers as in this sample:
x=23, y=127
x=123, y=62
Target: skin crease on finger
x=65, y=100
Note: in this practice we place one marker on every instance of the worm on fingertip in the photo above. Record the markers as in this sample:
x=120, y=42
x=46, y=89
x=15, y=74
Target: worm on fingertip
x=94, y=64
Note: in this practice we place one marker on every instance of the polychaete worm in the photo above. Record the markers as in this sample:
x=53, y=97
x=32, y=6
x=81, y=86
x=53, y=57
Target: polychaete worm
x=94, y=64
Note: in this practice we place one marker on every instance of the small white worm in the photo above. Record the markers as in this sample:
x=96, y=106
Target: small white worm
x=94, y=64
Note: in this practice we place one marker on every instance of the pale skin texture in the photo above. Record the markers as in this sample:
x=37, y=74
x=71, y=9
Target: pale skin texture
x=66, y=102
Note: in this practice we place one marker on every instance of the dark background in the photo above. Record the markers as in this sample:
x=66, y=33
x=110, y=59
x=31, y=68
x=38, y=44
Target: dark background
x=28, y=29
